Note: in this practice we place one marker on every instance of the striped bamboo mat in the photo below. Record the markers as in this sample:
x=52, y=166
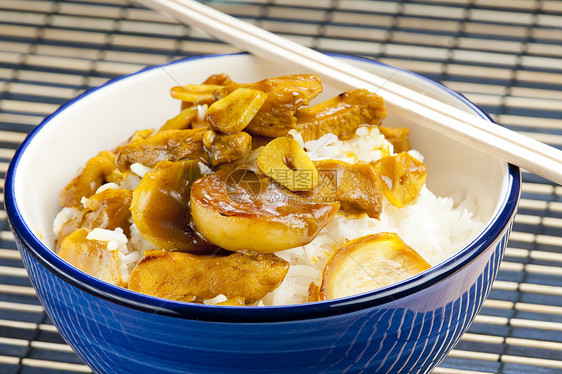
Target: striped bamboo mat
x=505, y=56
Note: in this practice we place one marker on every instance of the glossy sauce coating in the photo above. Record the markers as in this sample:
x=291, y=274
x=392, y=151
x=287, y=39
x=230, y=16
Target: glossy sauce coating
x=160, y=206
x=239, y=210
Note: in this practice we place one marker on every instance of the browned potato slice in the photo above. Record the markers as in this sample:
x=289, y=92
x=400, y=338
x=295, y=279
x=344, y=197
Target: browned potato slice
x=90, y=178
x=233, y=113
x=224, y=148
x=238, y=210
x=398, y=137
x=172, y=145
x=108, y=209
x=182, y=121
x=401, y=178
x=368, y=263
x=195, y=93
x=189, y=277
x=160, y=206
x=341, y=115
x=90, y=256
x=355, y=186
x=284, y=160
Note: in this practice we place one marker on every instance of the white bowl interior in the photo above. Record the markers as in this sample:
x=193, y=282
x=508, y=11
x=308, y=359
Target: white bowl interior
x=106, y=117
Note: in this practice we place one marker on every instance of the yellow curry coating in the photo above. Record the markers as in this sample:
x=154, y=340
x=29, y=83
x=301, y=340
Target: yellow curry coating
x=214, y=222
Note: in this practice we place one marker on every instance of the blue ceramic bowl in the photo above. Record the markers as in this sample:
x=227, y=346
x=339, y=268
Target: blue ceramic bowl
x=405, y=328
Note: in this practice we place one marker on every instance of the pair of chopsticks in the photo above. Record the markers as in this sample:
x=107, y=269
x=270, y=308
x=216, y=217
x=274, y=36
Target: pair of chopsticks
x=467, y=128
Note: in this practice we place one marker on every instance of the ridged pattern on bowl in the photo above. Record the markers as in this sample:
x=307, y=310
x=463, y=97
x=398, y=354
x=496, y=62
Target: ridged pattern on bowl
x=409, y=335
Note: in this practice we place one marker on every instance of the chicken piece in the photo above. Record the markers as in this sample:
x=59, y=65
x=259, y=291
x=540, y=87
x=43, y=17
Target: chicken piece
x=90, y=178
x=188, y=277
x=284, y=96
x=222, y=148
x=239, y=210
x=73, y=222
x=108, y=209
x=137, y=136
x=172, y=145
x=160, y=206
x=90, y=256
x=355, y=186
x=368, y=263
x=398, y=137
x=341, y=115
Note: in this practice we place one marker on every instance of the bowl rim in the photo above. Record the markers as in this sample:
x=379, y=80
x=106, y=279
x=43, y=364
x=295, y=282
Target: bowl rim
x=499, y=223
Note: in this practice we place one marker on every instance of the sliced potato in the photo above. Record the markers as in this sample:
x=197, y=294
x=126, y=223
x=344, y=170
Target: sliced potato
x=284, y=160
x=233, y=113
x=160, y=206
x=368, y=263
x=238, y=210
x=401, y=178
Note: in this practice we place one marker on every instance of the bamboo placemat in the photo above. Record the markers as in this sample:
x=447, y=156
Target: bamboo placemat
x=503, y=55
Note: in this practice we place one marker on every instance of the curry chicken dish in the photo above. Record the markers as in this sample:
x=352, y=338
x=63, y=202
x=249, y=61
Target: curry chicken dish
x=202, y=208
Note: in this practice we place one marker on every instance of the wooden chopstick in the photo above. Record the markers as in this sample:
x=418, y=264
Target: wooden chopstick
x=467, y=128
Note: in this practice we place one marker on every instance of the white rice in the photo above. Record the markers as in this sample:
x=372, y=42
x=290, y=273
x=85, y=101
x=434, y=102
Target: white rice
x=139, y=169
x=215, y=300
x=130, y=182
x=130, y=251
x=431, y=225
x=115, y=240
x=369, y=145
x=202, y=113
x=138, y=242
x=66, y=214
